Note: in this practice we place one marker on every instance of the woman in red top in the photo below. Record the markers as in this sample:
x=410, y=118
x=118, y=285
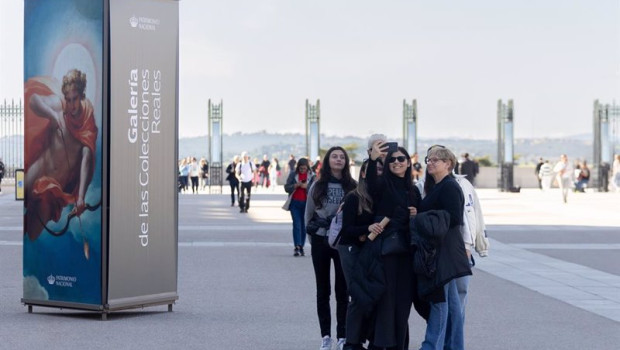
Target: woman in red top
x=297, y=185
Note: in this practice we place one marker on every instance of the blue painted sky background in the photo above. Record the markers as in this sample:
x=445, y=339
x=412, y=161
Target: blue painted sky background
x=74, y=21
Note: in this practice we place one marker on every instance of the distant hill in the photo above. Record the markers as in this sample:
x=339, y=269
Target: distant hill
x=527, y=151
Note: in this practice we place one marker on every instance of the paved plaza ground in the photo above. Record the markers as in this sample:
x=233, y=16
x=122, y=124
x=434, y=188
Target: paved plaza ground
x=551, y=281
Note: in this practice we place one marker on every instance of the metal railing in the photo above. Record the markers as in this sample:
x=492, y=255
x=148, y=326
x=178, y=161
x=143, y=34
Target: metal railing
x=11, y=138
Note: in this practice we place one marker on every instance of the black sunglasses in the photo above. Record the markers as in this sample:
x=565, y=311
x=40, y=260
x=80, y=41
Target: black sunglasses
x=400, y=159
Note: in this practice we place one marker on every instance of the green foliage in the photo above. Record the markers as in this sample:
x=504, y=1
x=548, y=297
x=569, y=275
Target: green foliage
x=484, y=161
x=351, y=149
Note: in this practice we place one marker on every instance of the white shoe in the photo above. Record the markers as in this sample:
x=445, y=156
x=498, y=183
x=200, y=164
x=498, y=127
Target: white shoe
x=341, y=342
x=327, y=343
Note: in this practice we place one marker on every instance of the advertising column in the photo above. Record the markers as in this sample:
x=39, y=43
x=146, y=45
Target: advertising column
x=63, y=99
x=142, y=266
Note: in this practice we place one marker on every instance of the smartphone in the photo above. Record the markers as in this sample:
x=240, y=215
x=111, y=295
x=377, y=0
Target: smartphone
x=303, y=181
x=392, y=146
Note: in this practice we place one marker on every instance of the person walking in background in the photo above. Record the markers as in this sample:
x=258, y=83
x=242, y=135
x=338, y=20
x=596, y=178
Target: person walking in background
x=545, y=174
x=263, y=171
x=324, y=198
x=257, y=173
x=194, y=174
x=468, y=168
x=615, y=173
x=316, y=167
x=583, y=177
x=291, y=163
x=537, y=172
x=394, y=197
x=246, y=171
x=416, y=168
x=1, y=173
x=274, y=173
x=564, y=173
x=444, y=327
x=233, y=181
x=297, y=187
x=204, y=173
x=183, y=174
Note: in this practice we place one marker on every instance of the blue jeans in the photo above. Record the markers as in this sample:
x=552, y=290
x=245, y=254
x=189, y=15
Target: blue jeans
x=297, y=209
x=445, y=323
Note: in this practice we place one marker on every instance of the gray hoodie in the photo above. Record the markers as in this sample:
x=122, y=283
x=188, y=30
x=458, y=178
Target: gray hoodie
x=335, y=194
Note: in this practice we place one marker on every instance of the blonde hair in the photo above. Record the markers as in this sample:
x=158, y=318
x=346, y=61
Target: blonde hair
x=74, y=78
x=361, y=191
x=444, y=154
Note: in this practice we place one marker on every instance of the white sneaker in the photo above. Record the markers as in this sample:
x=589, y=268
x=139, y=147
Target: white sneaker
x=327, y=343
x=341, y=342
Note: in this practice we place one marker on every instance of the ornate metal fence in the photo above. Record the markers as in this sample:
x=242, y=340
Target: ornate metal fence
x=11, y=137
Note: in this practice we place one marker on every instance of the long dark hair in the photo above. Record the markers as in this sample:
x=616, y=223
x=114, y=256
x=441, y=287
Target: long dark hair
x=320, y=186
x=390, y=178
x=300, y=163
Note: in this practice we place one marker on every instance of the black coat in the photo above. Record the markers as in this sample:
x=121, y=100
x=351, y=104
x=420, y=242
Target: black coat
x=368, y=283
x=451, y=257
x=427, y=230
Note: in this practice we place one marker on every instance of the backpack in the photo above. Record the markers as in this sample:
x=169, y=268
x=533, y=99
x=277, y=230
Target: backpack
x=333, y=233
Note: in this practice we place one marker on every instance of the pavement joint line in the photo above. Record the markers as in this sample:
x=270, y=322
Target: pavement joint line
x=208, y=244
x=568, y=246
x=588, y=289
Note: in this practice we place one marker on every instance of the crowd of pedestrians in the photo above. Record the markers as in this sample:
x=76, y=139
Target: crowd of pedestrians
x=575, y=175
x=192, y=173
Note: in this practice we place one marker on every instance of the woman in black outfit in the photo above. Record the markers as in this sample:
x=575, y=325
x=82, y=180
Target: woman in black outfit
x=357, y=222
x=397, y=198
x=233, y=180
x=444, y=327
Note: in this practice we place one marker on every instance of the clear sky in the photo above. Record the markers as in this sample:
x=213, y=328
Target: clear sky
x=362, y=58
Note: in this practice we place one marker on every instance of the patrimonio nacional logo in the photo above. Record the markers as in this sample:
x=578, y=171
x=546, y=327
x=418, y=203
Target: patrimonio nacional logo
x=61, y=281
x=133, y=21
x=144, y=23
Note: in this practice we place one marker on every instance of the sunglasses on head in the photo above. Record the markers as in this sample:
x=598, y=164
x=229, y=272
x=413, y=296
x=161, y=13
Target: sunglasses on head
x=400, y=159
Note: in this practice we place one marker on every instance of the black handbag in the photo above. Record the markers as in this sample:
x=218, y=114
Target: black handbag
x=393, y=241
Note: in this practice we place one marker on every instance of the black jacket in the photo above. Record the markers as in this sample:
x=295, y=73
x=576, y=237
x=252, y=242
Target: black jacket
x=368, y=283
x=451, y=258
x=230, y=170
x=427, y=230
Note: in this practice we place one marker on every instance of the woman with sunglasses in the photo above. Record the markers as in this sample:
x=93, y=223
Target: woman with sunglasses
x=324, y=198
x=444, y=325
x=397, y=198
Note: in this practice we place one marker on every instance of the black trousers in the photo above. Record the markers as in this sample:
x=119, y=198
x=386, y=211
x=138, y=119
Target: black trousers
x=234, y=186
x=322, y=255
x=392, y=313
x=246, y=187
x=194, y=183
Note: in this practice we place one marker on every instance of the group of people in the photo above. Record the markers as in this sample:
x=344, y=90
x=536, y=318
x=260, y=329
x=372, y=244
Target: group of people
x=402, y=243
x=1, y=173
x=242, y=174
x=190, y=170
x=567, y=175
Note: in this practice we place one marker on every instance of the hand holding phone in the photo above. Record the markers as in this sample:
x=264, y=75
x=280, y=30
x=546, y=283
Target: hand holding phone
x=391, y=146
